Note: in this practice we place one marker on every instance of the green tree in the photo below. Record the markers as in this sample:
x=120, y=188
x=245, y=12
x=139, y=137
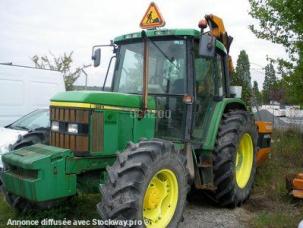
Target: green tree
x=269, y=84
x=64, y=64
x=279, y=92
x=265, y=91
x=293, y=85
x=281, y=21
x=241, y=77
x=256, y=93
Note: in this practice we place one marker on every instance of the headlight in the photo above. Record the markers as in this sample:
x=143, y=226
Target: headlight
x=55, y=126
x=72, y=128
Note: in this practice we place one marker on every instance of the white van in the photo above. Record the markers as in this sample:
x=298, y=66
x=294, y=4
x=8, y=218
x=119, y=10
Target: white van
x=24, y=89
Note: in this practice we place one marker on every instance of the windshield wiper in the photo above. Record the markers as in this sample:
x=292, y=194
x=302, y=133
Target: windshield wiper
x=171, y=60
x=40, y=129
x=20, y=128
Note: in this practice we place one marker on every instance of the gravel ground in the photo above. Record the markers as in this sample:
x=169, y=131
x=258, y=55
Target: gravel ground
x=201, y=213
x=209, y=217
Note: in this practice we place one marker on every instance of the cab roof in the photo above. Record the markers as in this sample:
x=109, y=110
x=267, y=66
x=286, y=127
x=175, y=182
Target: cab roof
x=159, y=32
x=165, y=33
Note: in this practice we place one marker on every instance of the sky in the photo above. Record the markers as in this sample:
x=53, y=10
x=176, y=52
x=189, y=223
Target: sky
x=38, y=27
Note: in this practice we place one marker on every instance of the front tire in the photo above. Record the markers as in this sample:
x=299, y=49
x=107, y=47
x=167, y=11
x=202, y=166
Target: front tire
x=147, y=183
x=235, y=158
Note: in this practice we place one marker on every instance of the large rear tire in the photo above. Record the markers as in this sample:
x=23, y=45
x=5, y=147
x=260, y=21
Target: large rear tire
x=235, y=158
x=147, y=183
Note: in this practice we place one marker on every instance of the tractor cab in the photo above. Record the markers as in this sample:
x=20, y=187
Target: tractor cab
x=168, y=66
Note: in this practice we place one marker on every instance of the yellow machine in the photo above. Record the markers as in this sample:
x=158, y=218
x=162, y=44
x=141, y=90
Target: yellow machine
x=264, y=141
x=294, y=184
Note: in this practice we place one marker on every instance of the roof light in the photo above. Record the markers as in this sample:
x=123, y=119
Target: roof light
x=162, y=32
x=133, y=35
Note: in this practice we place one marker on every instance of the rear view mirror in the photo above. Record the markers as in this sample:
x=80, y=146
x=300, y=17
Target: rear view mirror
x=97, y=57
x=207, y=46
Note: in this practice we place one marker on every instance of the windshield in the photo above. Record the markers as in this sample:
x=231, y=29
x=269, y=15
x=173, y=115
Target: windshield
x=166, y=67
x=34, y=120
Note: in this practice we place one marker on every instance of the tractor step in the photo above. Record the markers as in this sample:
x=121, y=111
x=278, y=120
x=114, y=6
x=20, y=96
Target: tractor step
x=205, y=173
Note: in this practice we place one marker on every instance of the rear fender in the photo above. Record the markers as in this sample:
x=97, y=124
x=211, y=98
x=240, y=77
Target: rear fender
x=220, y=108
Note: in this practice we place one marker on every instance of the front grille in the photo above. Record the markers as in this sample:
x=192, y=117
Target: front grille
x=70, y=115
x=78, y=143
x=74, y=142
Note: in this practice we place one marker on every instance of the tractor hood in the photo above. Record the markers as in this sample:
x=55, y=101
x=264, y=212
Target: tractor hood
x=103, y=98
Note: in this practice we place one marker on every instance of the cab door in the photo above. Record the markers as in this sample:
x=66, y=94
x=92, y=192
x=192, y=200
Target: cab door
x=208, y=86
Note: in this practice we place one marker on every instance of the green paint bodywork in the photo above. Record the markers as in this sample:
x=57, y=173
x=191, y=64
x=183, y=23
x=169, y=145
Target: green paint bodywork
x=221, y=46
x=103, y=98
x=213, y=121
x=159, y=33
x=54, y=171
x=57, y=168
x=78, y=165
x=122, y=127
x=38, y=173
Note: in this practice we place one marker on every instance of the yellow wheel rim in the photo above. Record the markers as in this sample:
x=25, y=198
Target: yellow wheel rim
x=160, y=199
x=244, y=160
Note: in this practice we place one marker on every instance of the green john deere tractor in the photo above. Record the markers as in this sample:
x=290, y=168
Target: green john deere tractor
x=168, y=123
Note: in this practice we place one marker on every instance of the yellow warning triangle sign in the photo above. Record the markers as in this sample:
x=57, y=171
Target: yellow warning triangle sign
x=152, y=18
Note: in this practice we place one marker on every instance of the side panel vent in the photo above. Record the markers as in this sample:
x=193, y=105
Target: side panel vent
x=97, y=130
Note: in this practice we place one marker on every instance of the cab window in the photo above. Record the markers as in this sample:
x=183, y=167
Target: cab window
x=208, y=85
